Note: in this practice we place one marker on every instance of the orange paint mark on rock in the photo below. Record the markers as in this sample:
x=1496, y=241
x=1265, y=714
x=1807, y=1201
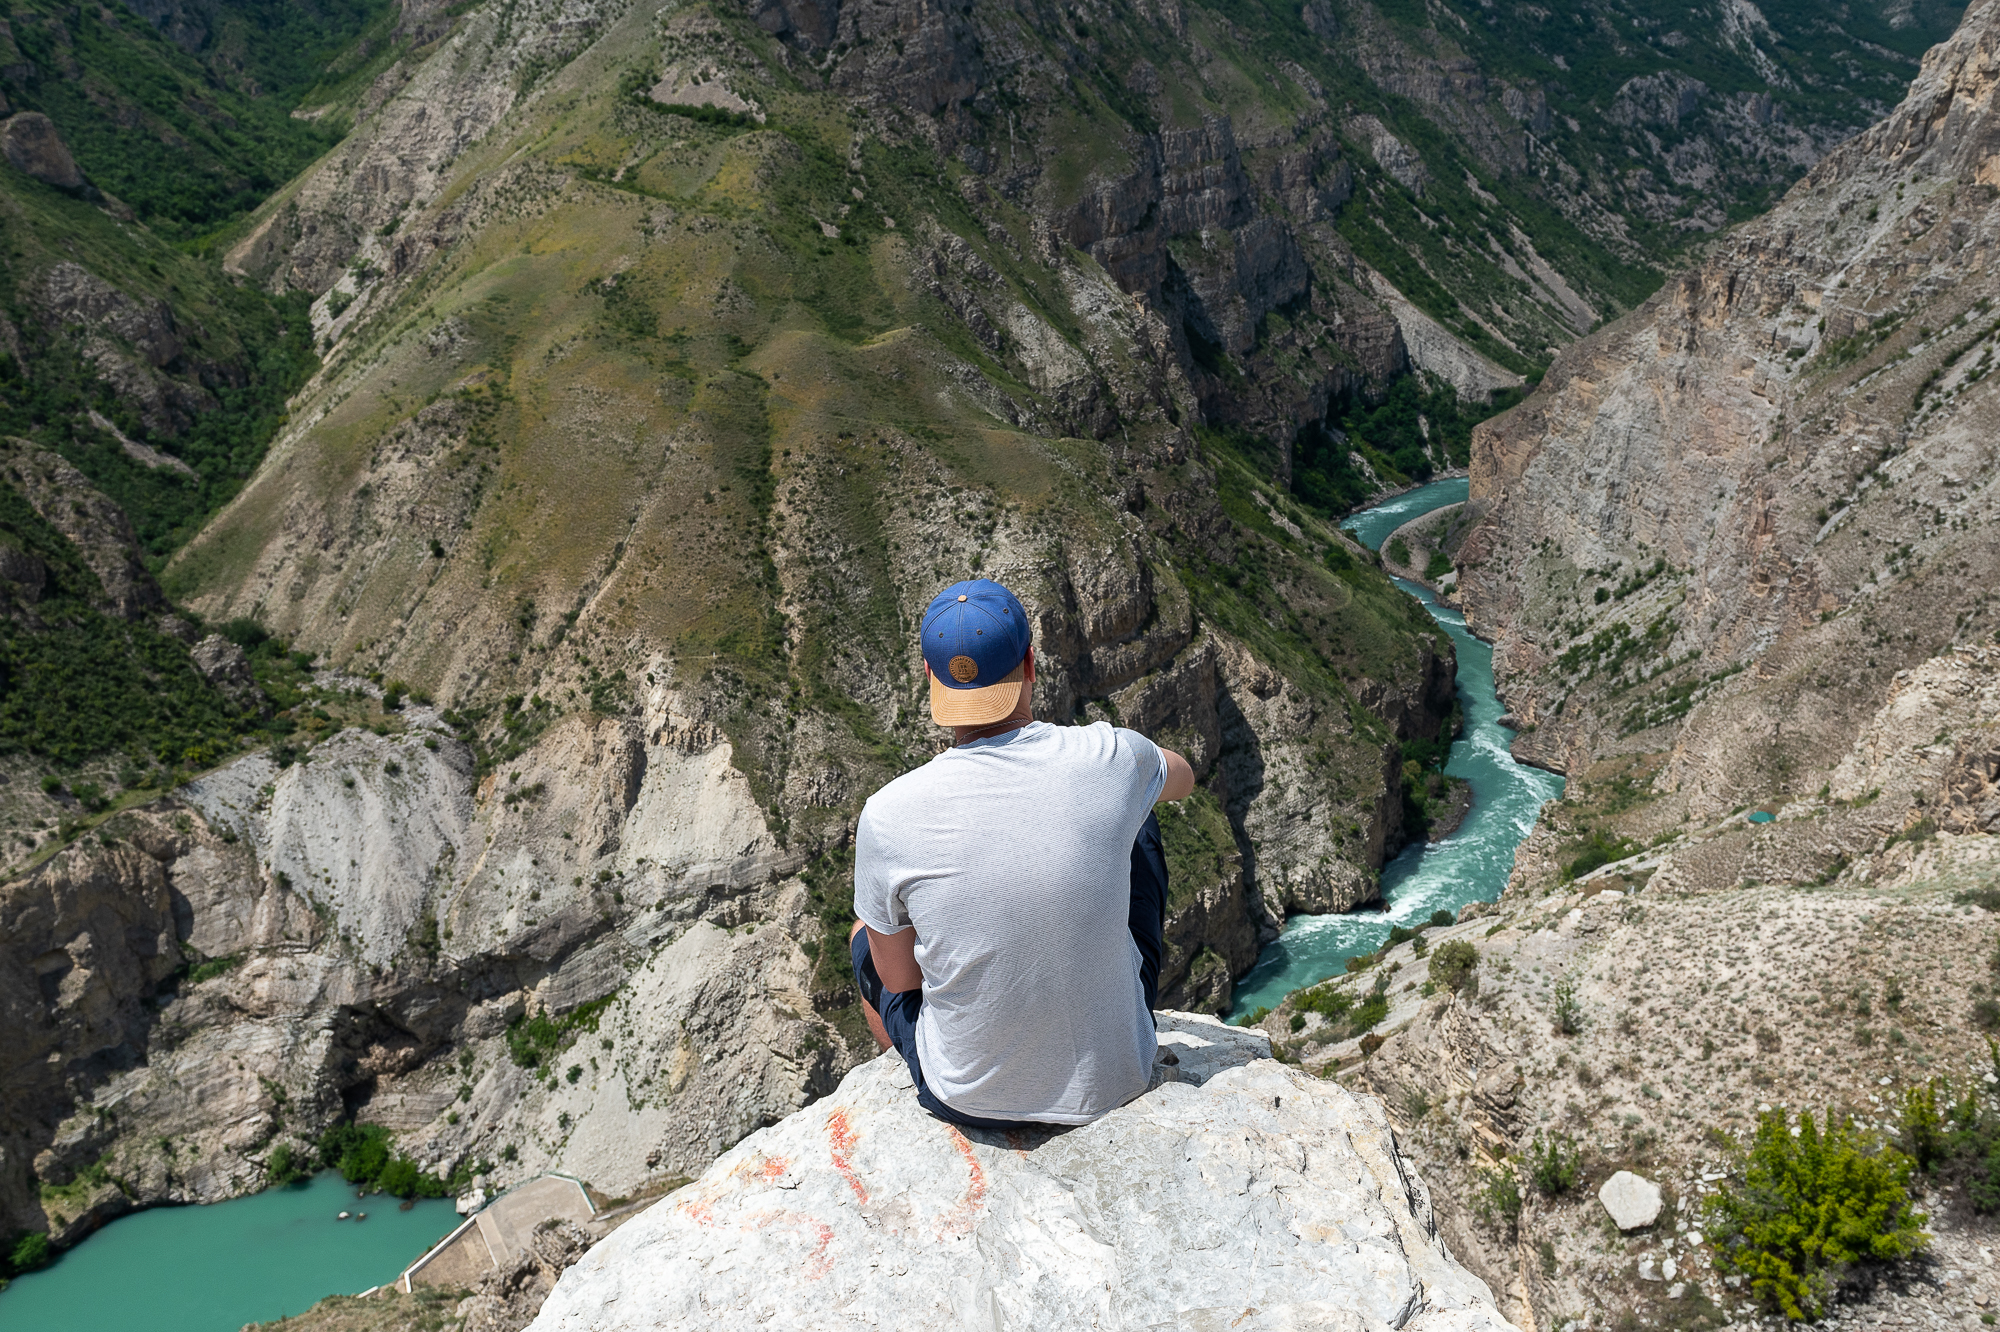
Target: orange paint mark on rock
x=773, y=1168
x=840, y=1137
x=962, y=1217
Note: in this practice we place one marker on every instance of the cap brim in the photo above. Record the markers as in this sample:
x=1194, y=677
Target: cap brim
x=976, y=707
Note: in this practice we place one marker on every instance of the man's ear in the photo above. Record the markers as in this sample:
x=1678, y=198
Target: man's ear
x=1028, y=667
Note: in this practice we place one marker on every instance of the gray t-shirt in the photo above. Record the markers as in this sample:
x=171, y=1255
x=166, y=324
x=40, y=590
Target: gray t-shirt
x=1012, y=857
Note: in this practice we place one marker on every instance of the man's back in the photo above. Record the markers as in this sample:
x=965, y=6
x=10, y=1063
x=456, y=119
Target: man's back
x=1011, y=857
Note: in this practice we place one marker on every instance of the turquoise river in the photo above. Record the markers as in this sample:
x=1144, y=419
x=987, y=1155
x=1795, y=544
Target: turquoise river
x=1470, y=865
x=215, y=1268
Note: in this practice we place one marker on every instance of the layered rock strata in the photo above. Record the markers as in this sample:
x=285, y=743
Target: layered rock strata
x=1711, y=543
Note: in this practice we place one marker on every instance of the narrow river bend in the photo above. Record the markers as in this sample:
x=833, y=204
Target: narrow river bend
x=1470, y=865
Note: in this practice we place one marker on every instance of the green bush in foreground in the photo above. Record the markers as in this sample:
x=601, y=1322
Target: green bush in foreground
x=1811, y=1207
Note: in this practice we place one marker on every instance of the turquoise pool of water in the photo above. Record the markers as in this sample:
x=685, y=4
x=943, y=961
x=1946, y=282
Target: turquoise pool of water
x=1472, y=864
x=215, y=1268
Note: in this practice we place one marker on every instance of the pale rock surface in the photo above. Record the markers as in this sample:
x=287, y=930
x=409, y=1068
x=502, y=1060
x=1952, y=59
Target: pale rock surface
x=1240, y=1194
x=1632, y=1200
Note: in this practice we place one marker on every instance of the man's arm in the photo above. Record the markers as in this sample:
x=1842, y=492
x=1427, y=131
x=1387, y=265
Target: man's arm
x=896, y=959
x=1180, y=784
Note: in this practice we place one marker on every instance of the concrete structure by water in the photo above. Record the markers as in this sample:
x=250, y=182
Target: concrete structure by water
x=498, y=1233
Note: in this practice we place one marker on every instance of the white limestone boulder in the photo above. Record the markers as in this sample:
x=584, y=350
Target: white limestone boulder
x=1632, y=1200
x=1237, y=1193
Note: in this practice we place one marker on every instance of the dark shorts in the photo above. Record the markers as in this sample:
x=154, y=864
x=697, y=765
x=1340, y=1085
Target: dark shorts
x=1147, y=920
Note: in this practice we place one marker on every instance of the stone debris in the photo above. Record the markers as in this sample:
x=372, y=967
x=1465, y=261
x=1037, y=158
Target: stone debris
x=1245, y=1194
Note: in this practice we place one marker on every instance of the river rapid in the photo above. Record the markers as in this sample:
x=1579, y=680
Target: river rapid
x=1469, y=865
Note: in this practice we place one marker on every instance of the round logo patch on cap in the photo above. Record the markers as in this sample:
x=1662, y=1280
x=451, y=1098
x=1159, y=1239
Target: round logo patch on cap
x=964, y=669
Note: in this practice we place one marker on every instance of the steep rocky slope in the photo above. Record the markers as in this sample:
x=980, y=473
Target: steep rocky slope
x=1733, y=553
x=1713, y=543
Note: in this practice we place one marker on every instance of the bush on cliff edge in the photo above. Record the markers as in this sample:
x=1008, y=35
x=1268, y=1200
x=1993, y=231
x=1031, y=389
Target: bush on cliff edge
x=1810, y=1208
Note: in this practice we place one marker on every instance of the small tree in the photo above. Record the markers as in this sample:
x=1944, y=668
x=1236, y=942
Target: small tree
x=1555, y=1164
x=1923, y=1126
x=1810, y=1208
x=1498, y=1201
x=1452, y=964
x=30, y=1252
x=285, y=1166
x=1567, y=1012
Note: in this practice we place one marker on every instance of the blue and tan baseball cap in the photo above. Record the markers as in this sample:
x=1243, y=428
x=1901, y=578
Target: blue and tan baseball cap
x=975, y=641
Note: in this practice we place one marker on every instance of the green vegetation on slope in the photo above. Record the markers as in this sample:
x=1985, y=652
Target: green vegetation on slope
x=241, y=354
x=191, y=140
x=76, y=682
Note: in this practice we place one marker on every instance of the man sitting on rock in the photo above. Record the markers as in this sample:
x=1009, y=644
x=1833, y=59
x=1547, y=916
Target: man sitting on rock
x=1012, y=890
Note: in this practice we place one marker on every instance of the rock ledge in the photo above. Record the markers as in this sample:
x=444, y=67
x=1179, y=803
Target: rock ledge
x=1237, y=1193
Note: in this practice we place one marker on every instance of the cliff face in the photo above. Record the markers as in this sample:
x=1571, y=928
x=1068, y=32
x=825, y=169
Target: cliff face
x=1722, y=528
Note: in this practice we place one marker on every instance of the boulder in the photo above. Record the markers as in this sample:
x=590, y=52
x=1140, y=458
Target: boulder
x=32, y=145
x=1632, y=1200
x=1237, y=1192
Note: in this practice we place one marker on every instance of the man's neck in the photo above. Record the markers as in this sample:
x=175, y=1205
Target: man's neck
x=965, y=735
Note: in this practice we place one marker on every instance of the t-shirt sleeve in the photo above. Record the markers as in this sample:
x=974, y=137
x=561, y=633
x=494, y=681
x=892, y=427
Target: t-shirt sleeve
x=877, y=902
x=1149, y=769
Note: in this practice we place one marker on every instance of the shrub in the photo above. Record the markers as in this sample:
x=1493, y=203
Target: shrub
x=1923, y=1135
x=1452, y=964
x=1811, y=1209
x=363, y=1156
x=1986, y=1014
x=1567, y=1012
x=1555, y=1164
x=1597, y=850
x=245, y=632
x=358, y=1151
x=30, y=1252
x=1498, y=1201
x=1442, y=917
x=1399, y=551
x=285, y=1166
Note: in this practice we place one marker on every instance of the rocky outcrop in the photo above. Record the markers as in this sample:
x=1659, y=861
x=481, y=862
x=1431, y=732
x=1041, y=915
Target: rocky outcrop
x=95, y=527
x=864, y=1211
x=31, y=145
x=1700, y=1003
x=232, y=970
